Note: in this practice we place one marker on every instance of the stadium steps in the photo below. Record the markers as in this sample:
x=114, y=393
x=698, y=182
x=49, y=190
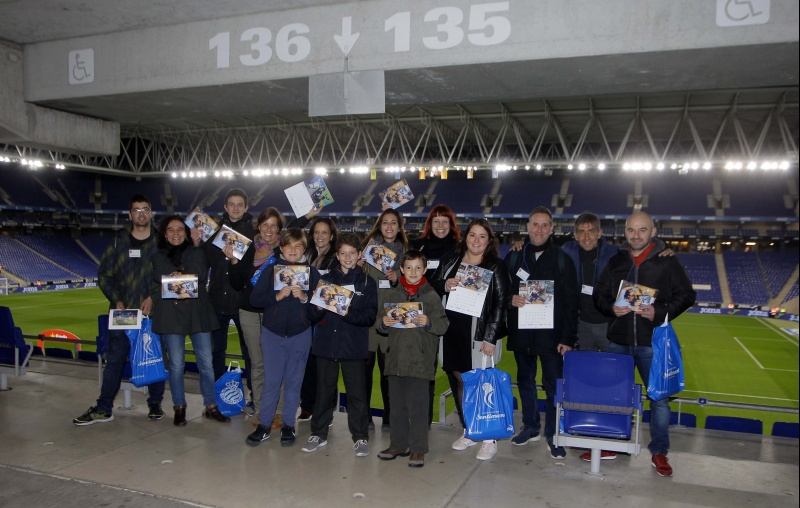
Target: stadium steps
x=87, y=251
x=775, y=302
x=723, y=280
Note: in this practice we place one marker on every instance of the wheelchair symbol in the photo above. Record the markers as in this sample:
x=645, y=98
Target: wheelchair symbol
x=742, y=12
x=81, y=66
x=79, y=72
x=732, y=6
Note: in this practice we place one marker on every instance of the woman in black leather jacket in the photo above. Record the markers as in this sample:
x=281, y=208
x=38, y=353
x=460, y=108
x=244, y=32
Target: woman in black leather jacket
x=466, y=333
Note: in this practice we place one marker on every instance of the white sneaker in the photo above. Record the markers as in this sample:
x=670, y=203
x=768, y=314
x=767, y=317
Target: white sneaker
x=361, y=448
x=463, y=443
x=487, y=451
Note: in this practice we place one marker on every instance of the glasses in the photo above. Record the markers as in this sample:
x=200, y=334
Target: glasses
x=141, y=211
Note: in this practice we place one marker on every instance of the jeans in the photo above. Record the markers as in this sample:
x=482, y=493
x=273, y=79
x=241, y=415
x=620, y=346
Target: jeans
x=659, y=410
x=220, y=345
x=116, y=356
x=201, y=344
x=552, y=369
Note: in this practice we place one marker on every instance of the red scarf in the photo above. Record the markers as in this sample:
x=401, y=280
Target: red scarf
x=411, y=289
x=639, y=259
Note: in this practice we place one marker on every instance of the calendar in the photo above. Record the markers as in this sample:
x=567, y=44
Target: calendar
x=469, y=295
x=537, y=313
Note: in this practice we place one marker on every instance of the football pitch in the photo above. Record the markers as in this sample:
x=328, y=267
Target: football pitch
x=734, y=359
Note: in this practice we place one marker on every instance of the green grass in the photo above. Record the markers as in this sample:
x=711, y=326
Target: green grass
x=726, y=358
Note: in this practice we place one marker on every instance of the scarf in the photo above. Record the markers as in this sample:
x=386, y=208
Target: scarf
x=638, y=260
x=411, y=289
x=263, y=251
x=175, y=254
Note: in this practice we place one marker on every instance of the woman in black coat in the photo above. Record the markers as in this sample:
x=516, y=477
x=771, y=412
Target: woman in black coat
x=175, y=318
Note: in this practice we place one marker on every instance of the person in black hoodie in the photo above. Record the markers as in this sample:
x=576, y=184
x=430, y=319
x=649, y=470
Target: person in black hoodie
x=343, y=341
x=224, y=298
x=285, y=334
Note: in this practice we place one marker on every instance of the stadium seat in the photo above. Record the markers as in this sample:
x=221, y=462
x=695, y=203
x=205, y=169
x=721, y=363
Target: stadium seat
x=14, y=351
x=786, y=429
x=734, y=424
x=684, y=419
x=599, y=404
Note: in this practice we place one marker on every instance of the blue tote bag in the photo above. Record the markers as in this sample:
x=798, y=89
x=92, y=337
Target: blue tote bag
x=488, y=404
x=147, y=360
x=229, y=392
x=666, y=369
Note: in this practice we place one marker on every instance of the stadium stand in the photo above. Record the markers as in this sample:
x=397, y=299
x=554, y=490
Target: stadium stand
x=23, y=262
x=749, y=284
x=757, y=195
x=62, y=251
x=664, y=190
x=702, y=269
x=778, y=267
x=793, y=293
x=601, y=192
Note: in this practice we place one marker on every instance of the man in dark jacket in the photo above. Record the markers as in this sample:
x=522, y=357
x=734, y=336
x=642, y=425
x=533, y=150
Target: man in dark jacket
x=629, y=330
x=224, y=298
x=541, y=260
x=125, y=277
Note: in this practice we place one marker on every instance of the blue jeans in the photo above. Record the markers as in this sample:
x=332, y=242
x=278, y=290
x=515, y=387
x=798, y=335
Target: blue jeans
x=552, y=369
x=116, y=355
x=659, y=410
x=176, y=346
x=284, y=362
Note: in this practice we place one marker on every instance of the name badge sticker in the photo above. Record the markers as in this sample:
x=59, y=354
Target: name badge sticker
x=384, y=284
x=134, y=253
x=433, y=264
x=522, y=274
x=587, y=290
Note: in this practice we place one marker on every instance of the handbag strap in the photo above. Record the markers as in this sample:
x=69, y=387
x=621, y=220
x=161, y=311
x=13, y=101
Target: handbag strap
x=230, y=366
x=483, y=360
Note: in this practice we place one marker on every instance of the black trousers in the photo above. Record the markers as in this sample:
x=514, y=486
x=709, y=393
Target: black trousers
x=370, y=366
x=219, y=345
x=308, y=391
x=410, y=413
x=353, y=375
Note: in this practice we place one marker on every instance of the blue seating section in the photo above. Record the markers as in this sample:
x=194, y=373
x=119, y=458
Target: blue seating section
x=778, y=267
x=671, y=194
x=793, y=293
x=757, y=195
x=745, y=278
x=605, y=193
x=96, y=244
x=702, y=269
x=62, y=251
x=735, y=424
x=19, y=260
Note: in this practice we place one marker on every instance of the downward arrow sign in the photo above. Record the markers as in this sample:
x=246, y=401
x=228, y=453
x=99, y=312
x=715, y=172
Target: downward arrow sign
x=347, y=40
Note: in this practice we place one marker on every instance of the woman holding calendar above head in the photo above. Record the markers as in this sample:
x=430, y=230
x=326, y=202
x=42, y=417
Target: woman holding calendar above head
x=468, y=338
x=388, y=232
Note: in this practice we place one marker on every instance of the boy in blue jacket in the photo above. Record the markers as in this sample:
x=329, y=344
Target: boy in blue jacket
x=343, y=341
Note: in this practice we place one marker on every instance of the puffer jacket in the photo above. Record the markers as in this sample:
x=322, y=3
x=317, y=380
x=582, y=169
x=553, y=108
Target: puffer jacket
x=411, y=352
x=346, y=337
x=287, y=317
x=665, y=274
x=491, y=325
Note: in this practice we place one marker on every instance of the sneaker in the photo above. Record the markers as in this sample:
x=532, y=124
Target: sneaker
x=361, y=447
x=155, y=412
x=257, y=436
x=249, y=409
x=487, y=451
x=557, y=452
x=661, y=463
x=604, y=455
x=287, y=436
x=526, y=435
x=463, y=443
x=92, y=416
x=313, y=443
x=304, y=416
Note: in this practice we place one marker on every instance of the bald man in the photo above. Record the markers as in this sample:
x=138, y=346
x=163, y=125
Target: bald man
x=629, y=330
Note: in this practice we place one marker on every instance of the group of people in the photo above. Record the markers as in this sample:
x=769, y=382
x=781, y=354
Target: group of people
x=293, y=349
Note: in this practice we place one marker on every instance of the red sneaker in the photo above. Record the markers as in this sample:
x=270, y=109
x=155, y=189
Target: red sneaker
x=604, y=455
x=661, y=463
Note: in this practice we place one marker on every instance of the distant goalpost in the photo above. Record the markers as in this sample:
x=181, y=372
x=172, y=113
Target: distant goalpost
x=3, y=286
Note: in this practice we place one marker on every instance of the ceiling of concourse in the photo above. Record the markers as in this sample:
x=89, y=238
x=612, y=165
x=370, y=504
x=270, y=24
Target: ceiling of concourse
x=580, y=105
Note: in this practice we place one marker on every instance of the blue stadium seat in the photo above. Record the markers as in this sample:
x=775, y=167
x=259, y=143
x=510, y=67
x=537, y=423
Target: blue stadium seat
x=599, y=403
x=14, y=351
x=786, y=429
x=735, y=424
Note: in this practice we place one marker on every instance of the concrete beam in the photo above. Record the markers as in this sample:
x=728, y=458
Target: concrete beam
x=26, y=124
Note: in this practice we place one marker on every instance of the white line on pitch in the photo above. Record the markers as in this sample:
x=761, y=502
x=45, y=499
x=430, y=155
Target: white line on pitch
x=779, y=330
x=739, y=395
x=748, y=352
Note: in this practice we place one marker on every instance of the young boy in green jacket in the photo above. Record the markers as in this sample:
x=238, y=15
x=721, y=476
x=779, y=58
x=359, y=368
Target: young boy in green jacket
x=411, y=358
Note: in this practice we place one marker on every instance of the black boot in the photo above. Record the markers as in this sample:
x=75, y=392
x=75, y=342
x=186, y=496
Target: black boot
x=180, y=416
x=212, y=412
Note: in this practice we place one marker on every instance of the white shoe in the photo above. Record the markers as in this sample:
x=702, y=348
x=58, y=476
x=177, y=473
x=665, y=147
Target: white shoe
x=487, y=451
x=463, y=443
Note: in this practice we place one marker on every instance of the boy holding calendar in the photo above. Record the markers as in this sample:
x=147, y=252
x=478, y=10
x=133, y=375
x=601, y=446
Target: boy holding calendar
x=410, y=360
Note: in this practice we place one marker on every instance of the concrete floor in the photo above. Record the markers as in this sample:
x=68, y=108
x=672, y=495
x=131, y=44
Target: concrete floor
x=131, y=462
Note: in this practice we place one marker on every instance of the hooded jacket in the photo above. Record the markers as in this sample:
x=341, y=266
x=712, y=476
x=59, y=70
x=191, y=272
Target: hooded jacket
x=665, y=274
